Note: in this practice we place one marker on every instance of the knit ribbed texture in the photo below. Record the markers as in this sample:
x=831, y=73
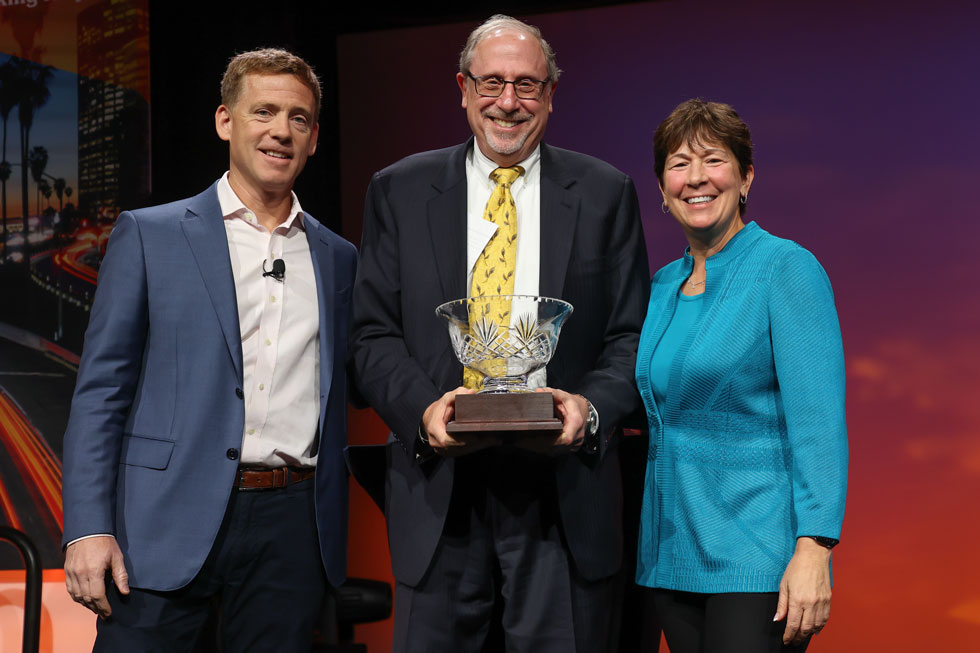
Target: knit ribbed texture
x=750, y=450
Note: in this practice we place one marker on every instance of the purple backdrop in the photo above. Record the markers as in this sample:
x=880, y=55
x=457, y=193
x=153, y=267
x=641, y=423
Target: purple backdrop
x=863, y=118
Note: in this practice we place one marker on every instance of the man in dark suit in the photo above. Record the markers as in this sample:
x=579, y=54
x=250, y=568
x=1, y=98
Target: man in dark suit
x=477, y=530
x=203, y=458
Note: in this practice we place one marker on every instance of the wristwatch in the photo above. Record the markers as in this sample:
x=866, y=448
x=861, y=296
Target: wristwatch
x=591, y=443
x=423, y=450
x=825, y=542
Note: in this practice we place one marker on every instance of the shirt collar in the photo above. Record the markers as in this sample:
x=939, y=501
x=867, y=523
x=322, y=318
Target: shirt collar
x=484, y=165
x=233, y=207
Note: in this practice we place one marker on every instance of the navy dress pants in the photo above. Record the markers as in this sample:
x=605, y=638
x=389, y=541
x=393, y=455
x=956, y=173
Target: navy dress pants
x=264, y=573
x=501, y=578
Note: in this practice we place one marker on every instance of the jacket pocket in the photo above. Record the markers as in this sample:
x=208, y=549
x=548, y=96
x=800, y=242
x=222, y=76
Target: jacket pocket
x=146, y=452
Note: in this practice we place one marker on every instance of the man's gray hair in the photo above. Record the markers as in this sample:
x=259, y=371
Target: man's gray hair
x=500, y=21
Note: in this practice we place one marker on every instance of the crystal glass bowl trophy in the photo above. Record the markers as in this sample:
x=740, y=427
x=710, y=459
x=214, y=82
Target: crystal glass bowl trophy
x=504, y=339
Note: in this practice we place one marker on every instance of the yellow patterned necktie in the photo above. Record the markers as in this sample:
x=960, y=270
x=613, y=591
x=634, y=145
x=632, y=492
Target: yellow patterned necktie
x=493, y=273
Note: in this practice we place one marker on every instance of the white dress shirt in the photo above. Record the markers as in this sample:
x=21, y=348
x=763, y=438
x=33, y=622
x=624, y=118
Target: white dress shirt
x=279, y=327
x=526, y=191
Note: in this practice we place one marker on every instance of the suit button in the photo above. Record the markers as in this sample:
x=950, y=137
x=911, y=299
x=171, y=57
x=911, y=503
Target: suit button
x=232, y=454
x=239, y=393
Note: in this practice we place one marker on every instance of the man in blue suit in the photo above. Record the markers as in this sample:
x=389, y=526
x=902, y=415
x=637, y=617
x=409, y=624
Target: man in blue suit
x=203, y=456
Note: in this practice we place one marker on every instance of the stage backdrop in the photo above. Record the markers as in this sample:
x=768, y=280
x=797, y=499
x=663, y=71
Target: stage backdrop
x=864, y=120
x=863, y=116
x=74, y=148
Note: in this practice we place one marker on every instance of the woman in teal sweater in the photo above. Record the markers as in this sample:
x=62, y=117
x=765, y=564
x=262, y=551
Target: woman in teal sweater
x=741, y=369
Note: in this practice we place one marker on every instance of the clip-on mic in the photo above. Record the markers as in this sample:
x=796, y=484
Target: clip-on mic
x=278, y=271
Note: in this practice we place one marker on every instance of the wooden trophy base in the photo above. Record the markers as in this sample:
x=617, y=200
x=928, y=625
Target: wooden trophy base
x=511, y=414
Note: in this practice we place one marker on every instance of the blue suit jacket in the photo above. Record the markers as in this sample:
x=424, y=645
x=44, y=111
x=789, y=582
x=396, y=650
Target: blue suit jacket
x=157, y=417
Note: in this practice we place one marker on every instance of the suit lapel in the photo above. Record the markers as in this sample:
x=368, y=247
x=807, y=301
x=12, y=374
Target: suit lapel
x=204, y=229
x=447, y=224
x=324, y=270
x=559, y=215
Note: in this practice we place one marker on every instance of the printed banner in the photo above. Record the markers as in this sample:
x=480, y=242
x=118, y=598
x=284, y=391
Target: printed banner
x=74, y=148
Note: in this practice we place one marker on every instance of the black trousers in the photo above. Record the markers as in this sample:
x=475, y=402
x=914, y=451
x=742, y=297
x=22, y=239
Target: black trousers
x=721, y=623
x=264, y=572
x=501, y=578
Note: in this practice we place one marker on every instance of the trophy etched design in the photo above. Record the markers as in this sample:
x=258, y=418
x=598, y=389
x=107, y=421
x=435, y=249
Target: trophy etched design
x=504, y=347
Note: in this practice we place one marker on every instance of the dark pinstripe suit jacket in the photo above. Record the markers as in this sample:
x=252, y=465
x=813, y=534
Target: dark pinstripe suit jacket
x=413, y=258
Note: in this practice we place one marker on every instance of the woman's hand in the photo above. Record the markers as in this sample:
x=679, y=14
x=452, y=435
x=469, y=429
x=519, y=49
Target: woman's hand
x=804, y=592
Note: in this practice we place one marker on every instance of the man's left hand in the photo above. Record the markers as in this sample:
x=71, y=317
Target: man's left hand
x=574, y=413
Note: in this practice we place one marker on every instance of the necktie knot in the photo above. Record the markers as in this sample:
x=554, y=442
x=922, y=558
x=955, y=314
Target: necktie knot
x=506, y=176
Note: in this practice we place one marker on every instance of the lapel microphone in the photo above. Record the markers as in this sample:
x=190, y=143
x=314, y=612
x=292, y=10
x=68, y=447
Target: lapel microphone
x=278, y=271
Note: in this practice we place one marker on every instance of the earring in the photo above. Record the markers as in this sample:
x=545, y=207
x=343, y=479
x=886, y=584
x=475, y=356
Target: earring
x=664, y=209
x=742, y=199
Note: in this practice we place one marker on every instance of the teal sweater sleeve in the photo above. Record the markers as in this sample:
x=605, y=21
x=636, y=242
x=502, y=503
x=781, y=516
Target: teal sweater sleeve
x=809, y=360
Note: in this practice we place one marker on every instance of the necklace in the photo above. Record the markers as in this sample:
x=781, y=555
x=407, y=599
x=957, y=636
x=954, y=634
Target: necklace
x=695, y=284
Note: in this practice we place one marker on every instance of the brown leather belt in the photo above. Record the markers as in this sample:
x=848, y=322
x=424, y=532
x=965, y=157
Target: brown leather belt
x=264, y=478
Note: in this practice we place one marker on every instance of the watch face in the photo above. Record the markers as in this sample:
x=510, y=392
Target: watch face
x=824, y=541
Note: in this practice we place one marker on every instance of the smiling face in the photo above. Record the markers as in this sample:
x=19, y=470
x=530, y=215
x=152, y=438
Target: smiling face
x=507, y=128
x=701, y=187
x=271, y=131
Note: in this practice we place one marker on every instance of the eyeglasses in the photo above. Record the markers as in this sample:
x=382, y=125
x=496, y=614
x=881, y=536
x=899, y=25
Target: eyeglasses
x=493, y=86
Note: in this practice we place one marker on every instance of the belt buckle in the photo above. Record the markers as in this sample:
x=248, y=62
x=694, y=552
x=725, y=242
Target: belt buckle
x=280, y=477
x=240, y=480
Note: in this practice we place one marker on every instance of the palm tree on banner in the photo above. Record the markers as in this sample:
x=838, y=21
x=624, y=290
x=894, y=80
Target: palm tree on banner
x=38, y=161
x=8, y=100
x=44, y=187
x=4, y=176
x=59, y=190
x=35, y=95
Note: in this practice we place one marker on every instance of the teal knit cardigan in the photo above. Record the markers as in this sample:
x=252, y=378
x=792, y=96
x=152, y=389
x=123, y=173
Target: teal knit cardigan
x=750, y=451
